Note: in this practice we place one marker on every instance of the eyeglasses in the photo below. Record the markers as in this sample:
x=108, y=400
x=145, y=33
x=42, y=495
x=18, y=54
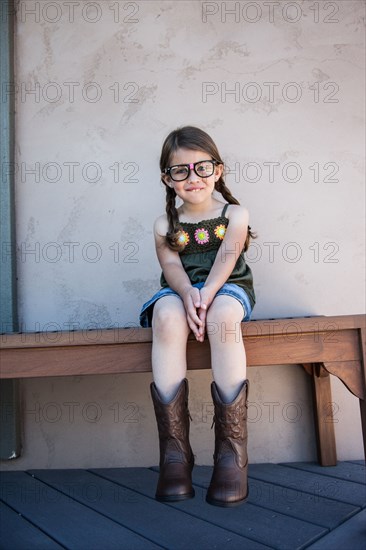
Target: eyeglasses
x=180, y=172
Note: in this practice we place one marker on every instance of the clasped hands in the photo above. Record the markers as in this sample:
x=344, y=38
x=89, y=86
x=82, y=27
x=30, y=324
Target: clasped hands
x=196, y=302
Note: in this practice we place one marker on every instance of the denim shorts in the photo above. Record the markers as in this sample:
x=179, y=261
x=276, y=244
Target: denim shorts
x=230, y=289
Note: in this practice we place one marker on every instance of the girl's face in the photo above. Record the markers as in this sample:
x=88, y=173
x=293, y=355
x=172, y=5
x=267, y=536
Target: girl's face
x=195, y=188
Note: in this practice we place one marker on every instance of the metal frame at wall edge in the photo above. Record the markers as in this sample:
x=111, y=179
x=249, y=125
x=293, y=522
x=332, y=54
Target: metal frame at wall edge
x=10, y=443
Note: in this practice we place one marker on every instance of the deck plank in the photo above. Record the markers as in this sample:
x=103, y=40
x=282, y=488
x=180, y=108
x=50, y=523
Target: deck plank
x=70, y=523
x=127, y=505
x=346, y=536
x=316, y=484
x=16, y=533
x=344, y=470
x=257, y=524
x=288, y=501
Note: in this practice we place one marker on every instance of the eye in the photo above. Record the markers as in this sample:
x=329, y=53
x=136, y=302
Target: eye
x=180, y=170
x=205, y=168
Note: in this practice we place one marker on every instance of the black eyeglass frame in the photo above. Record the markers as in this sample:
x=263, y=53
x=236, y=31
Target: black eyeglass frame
x=192, y=166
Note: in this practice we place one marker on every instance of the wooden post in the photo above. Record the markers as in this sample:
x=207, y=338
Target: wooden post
x=9, y=389
x=323, y=416
x=362, y=334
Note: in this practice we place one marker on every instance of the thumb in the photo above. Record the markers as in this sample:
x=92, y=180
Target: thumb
x=197, y=299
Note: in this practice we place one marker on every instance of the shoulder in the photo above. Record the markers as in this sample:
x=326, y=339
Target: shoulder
x=161, y=225
x=237, y=214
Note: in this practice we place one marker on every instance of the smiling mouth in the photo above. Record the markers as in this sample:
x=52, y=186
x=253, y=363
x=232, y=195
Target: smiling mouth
x=194, y=189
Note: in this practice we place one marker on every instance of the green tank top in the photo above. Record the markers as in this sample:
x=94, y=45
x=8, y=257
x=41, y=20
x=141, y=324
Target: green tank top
x=202, y=242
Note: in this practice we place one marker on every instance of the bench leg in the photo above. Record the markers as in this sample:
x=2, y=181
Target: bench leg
x=323, y=414
x=363, y=423
x=362, y=336
x=10, y=420
x=352, y=374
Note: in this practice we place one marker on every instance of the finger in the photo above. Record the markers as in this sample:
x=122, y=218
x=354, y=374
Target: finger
x=192, y=312
x=202, y=316
x=194, y=321
x=201, y=331
x=197, y=327
x=193, y=327
x=203, y=305
x=202, y=313
x=195, y=330
x=196, y=299
x=199, y=337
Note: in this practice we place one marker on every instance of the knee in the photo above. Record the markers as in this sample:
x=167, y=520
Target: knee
x=221, y=311
x=222, y=318
x=168, y=322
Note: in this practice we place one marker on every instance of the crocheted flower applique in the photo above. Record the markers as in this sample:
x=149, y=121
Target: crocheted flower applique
x=183, y=238
x=220, y=231
x=201, y=236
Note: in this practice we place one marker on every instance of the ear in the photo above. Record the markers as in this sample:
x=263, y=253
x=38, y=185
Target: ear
x=166, y=179
x=218, y=171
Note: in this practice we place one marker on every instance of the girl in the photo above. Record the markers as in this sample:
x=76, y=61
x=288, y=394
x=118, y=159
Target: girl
x=207, y=287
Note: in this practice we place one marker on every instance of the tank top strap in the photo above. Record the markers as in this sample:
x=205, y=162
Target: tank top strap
x=224, y=209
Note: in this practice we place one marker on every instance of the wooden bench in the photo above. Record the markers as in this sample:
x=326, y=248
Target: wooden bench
x=322, y=345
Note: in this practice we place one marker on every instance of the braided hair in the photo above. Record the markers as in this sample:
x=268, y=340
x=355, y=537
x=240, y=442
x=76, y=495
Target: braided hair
x=190, y=137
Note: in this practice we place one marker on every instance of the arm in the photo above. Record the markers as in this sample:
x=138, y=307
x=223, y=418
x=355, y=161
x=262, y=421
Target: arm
x=176, y=276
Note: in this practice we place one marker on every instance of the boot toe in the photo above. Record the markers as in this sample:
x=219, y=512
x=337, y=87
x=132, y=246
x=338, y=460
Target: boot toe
x=174, y=490
x=173, y=496
x=175, y=483
x=230, y=494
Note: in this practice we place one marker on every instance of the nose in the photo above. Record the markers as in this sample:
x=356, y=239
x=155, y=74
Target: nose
x=192, y=174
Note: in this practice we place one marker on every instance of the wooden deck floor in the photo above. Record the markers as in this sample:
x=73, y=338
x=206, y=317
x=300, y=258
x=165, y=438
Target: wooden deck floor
x=291, y=506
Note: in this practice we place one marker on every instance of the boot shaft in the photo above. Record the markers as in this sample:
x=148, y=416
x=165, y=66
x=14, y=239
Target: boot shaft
x=229, y=482
x=176, y=457
x=230, y=421
x=173, y=421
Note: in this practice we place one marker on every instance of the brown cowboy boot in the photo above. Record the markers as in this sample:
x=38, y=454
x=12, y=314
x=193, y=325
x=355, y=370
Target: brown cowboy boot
x=229, y=483
x=176, y=457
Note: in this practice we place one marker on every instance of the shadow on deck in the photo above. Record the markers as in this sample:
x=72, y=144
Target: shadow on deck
x=291, y=506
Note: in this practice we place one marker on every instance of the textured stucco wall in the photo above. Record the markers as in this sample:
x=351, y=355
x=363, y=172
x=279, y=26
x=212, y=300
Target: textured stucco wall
x=281, y=90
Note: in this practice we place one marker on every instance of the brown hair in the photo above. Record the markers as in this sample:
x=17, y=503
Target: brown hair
x=190, y=137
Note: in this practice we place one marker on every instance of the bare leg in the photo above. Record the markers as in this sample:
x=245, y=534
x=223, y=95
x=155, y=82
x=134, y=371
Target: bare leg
x=228, y=357
x=170, y=334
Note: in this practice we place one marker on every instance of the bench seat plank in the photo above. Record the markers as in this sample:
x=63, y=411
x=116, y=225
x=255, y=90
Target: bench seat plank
x=288, y=328
x=73, y=356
